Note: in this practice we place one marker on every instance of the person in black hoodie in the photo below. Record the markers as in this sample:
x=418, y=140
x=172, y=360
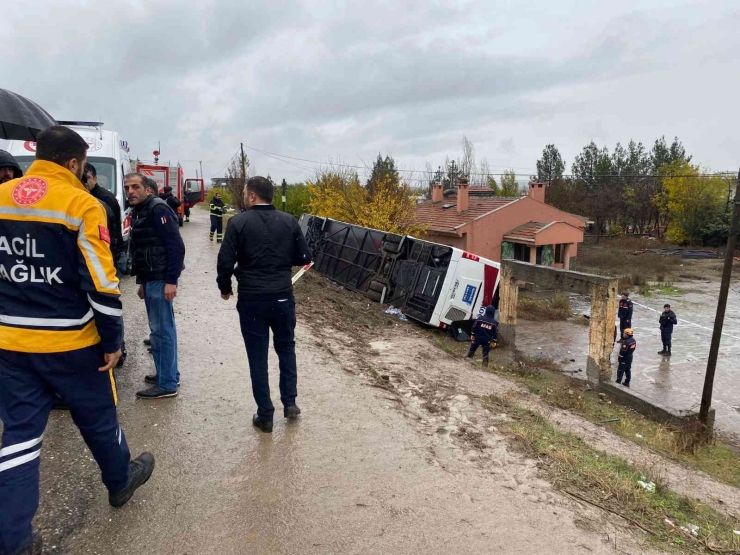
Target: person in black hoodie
x=171, y=200
x=264, y=245
x=9, y=168
x=667, y=320
x=485, y=334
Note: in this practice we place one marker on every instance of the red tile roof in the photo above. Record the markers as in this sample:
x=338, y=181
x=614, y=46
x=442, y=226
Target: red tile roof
x=525, y=232
x=437, y=218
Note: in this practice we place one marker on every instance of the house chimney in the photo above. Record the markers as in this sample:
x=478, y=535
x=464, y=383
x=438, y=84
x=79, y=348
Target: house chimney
x=437, y=195
x=537, y=191
x=462, y=195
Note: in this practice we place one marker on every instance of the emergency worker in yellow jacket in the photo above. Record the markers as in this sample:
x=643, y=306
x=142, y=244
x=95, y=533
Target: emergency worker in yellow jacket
x=60, y=331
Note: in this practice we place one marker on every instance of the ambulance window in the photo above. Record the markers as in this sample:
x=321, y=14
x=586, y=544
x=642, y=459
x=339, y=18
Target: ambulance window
x=106, y=168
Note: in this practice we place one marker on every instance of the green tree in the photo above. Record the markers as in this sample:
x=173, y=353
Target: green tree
x=384, y=169
x=663, y=155
x=593, y=167
x=550, y=167
x=296, y=199
x=509, y=185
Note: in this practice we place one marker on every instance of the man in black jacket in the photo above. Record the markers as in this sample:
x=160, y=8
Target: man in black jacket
x=9, y=168
x=158, y=255
x=113, y=213
x=265, y=244
x=667, y=320
x=627, y=350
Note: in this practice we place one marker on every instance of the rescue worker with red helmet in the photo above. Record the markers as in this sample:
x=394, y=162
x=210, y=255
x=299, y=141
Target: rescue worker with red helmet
x=624, y=370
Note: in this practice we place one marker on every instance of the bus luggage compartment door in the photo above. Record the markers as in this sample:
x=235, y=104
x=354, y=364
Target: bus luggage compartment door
x=422, y=301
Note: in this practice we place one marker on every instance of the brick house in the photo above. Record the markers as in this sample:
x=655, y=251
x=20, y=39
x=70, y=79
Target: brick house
x=522, y=228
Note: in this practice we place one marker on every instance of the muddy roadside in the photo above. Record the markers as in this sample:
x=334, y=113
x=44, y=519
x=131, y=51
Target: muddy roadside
x=473, y=409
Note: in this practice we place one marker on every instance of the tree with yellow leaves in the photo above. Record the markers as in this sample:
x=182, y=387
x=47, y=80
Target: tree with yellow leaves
x=338, y=194
x=696, y=205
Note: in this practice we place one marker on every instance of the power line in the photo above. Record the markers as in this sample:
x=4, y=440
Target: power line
x=280, y=157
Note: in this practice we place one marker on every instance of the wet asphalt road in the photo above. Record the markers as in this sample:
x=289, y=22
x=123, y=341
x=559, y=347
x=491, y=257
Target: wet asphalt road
x=674, y=382
x=351, y=476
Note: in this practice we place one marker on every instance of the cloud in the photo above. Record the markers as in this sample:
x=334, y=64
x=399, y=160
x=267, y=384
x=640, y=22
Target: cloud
x=313, y=80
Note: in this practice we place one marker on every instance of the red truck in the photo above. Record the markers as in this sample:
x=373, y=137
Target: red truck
x=189, y=191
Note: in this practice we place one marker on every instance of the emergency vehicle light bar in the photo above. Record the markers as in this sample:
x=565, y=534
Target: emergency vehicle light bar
x=82, y=123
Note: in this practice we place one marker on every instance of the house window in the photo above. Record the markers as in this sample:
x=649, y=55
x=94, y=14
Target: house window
x=521, y=252
x=559, y=254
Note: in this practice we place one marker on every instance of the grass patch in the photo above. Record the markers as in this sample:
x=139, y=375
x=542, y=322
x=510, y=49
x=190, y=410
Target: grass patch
x=611, y=483
x=542, y=377
x=659, y=290
x=557, y=308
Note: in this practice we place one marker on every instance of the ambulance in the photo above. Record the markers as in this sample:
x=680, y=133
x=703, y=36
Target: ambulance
x=434, y=284
x=107, y=151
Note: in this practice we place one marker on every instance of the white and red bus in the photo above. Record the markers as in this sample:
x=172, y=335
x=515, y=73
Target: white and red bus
x=435, y=284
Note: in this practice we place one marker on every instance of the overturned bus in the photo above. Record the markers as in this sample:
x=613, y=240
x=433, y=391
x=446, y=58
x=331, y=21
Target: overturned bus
x=435, y=284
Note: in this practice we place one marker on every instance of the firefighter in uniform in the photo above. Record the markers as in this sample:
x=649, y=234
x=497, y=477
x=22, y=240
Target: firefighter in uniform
x=666, y=321
x=217, y=218
x=485, y=334
x=625, y=314
x=625, y=358
x=60, y=332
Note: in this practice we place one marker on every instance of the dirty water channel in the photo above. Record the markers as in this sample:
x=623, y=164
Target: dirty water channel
x=675, y=382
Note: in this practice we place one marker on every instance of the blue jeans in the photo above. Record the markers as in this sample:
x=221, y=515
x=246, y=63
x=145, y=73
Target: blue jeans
x=257, y=318
x=163, y=334
x=28, y=383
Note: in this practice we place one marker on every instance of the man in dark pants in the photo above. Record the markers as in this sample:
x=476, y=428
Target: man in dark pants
x=158, y=254
x=625, y=314
x=485, y=334
x=625, y=358
x=667, y=321
x=265, y=244
x=171, y=200
x=217, y=217
x=113, y=213
x=60, y=332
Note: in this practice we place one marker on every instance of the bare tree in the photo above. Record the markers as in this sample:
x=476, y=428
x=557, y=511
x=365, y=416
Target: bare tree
x=467, y=160
x=237, y=180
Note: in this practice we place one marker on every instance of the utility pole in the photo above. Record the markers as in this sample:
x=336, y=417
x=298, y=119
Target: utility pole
x=201, y=169
x=244, y=168
x=719, y=319
x=285, y=193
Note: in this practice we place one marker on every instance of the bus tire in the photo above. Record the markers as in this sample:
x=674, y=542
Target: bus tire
x=373, y=295
x=377, y=286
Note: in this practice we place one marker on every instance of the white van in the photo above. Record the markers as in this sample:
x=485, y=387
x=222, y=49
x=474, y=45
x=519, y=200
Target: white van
x=107, y=152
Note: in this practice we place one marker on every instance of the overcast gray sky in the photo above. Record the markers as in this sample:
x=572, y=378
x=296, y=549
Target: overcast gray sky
x=320, y=80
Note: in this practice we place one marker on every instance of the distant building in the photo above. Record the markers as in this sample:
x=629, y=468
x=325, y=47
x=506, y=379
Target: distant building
x=522, y=228
x=219, y=182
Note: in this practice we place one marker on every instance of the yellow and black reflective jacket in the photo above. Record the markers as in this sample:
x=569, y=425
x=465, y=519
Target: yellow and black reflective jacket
x=58, y=285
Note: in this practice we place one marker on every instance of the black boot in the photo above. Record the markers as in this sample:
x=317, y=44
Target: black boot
x=139, y=472
x=263, y=424
x=291, y=412
x=664, y=351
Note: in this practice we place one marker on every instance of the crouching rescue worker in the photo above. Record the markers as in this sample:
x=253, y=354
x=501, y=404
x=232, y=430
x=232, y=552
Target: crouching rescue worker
x=625, y=358
x=485, y=334
x=60, y=332
x=667, y=320
x=217, y=218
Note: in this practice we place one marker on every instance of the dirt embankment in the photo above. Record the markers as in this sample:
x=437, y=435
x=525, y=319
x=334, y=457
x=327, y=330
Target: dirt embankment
x=450, y=400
